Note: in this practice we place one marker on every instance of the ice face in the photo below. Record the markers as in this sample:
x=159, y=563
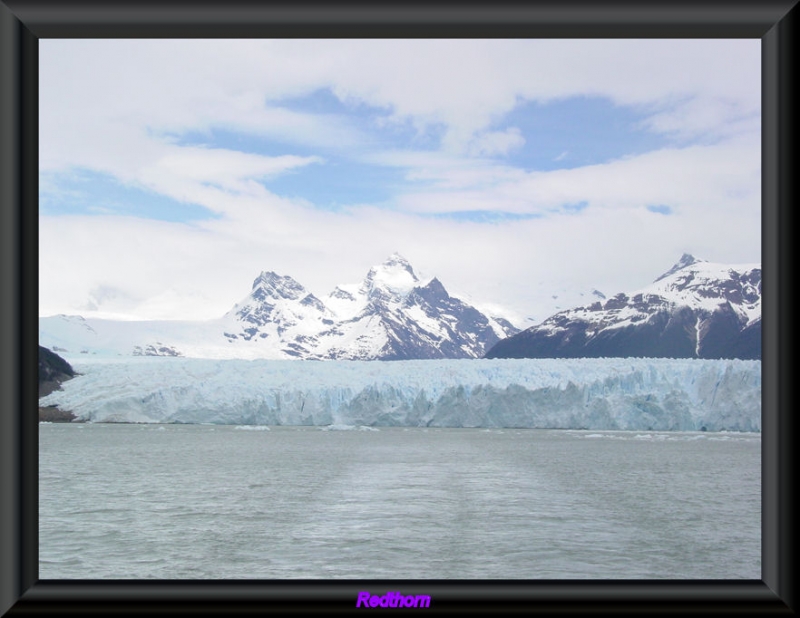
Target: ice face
x=626, y=394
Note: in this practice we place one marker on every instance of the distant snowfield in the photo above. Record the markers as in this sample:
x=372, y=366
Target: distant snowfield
x=602, y=394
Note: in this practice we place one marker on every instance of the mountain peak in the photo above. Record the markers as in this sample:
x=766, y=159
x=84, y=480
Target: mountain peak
x=394, y=274
x=266, y=277
x=687, y=259
x=395, y=260
x=276, y=286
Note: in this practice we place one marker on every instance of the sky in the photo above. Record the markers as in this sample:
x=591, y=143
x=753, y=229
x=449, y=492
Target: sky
x=521, y=173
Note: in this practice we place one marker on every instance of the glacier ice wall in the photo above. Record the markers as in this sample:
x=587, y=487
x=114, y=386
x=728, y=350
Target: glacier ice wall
x=626, y=394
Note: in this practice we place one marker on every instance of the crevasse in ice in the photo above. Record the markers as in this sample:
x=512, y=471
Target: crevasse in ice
x=626, y=394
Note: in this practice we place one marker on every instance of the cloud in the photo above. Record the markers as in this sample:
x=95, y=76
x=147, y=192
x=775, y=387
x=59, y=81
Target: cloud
x=710, y=117
x=199, y=175
x=715, y=176
x=464, y=85
x=201, y=269
x=496, y=142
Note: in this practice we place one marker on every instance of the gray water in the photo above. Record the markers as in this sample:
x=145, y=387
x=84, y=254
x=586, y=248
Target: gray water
x=219, y=502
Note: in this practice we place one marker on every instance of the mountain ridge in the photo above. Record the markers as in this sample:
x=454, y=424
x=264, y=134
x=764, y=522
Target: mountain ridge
x=696, y=309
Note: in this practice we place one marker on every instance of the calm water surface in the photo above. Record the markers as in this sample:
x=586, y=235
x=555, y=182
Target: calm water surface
x=218, y=502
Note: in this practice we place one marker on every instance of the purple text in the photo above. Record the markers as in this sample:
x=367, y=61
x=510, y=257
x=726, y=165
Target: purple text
x=392, y=599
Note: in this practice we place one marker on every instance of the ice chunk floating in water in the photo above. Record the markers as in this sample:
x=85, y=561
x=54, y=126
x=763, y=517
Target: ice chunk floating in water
x=627, y=394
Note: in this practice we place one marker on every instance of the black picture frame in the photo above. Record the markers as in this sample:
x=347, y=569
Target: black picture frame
x=24, y=22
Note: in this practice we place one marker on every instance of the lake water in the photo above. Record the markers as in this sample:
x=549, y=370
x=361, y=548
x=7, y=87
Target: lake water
x=220, y=502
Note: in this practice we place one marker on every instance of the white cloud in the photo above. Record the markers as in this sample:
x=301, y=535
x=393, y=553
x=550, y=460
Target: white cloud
x=466, y=85
x=715, y=176
x=711, y=117
x=199, y=175
x=200, y=270
x=493, y=143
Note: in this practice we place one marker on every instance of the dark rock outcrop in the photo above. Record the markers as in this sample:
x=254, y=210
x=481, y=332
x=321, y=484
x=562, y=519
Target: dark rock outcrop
x=53, y=370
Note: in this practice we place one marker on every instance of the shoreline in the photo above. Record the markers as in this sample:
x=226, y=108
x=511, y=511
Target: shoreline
x=54, y=414
x=400, y=427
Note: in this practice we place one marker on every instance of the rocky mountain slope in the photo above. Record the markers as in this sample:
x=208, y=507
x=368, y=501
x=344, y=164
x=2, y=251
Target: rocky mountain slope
x=696, y=309
x=53, y=370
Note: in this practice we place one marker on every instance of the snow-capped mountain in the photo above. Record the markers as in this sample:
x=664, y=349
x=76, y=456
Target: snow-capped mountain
x=279, y=313
x=391, y=315
x=696, y=309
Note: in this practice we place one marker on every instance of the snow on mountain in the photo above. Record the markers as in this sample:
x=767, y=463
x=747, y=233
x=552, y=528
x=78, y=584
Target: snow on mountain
x=280, y=312
x=392, y=314
x=696, y=309
x=396, y=316
x=625, y=394
x=553, y=297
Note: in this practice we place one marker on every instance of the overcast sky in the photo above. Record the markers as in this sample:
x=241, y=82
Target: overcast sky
x=173, y=172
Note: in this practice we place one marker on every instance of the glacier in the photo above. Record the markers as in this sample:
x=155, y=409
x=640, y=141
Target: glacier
x=602, y=394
